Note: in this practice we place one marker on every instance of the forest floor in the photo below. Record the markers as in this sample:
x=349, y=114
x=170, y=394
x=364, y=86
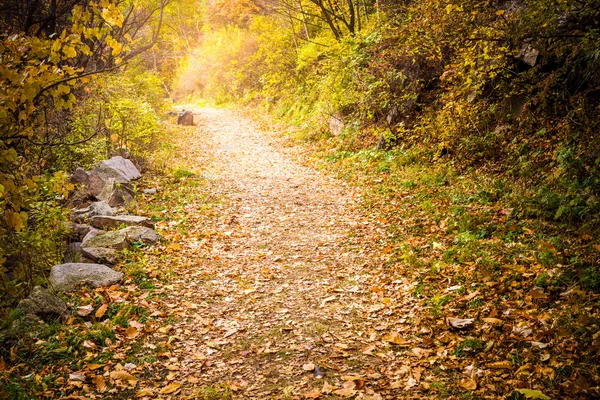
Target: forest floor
x=291, y=270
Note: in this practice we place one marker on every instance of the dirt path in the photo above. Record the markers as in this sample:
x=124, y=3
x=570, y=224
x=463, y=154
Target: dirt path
x=280, y=288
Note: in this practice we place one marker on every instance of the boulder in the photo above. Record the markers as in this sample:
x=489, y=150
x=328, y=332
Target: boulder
x=92, y=233
x=101, y=255
x=80, y=176
x=96, y=208
x=528, y=55
x=117, y=240
x=124, y=166
x=336, y=124
x=116, y=193
x=141, y=234
x=43, y=303
x=78, y=231
x=67, y=277
x=185, y=117
x=107, y=222
x=102, y=176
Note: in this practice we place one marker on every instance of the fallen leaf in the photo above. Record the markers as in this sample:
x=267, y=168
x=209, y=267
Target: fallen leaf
x=132, y=332
x=77, y=376
x=460, y=322
x=312, y=395
x=345, y=392
x=500, y=365
x=122, y=375
x=395, y=338
x=144, y=393
x=84, y=311
x=492, y=321
x=327, y=388
x=469, y=384
x=170, y=388
x=101, y=311
x=533, y=394
x=100, y=383
x=308, y=367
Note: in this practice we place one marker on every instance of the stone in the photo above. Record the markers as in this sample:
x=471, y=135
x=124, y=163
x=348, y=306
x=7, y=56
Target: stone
x=43, y=303
x=141, y=234
x=79, y=231
x=185, y=117
x=336, y=124
x=112, y=222
x=80, y=176
x=150, y=191
x=124, y=166
x=94, y=209
x=92, y=233
x=528, y=55
x=67, y=277
x=102, y=176
x=117, y=194
x=101, y=255
x=112, y=240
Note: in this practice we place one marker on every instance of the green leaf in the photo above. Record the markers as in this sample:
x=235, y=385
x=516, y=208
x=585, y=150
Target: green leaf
x=533, y=394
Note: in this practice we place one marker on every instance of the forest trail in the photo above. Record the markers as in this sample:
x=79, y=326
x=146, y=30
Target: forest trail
x=276, y=286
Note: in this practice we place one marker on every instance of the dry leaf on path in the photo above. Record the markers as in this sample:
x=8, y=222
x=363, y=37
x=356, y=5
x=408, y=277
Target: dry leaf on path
x=170, y=388
x=460, y=323
x=101, y=311
x=100, y=383
x=84, y=311
x=395, y=338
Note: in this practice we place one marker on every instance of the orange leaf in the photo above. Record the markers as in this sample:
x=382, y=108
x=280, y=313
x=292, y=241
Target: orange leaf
x=132, y=332
x=101, y=311
x=312, y=395
x=100, y=383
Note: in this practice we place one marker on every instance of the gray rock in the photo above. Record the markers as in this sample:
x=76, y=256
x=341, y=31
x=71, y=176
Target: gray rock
x=67, y=277
x=150, y=191
x=96, y=208
x=79, y=231
x=123, y=166
x=116, y=193
x=111, y=240
x=102, y=176
x=141, y=234
x=529, y=55
x=185, y=117
x=336, y=124
x=106, y=222
x=91, y=234
x=80, y=176
x=42, y=302
x=101, y=255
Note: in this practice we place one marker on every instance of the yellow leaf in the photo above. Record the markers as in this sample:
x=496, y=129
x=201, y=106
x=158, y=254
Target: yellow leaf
x=533, y=394
x=499, y=12
x=174, y=247
x=170, y=388
x=14, y=220
x=144, y=393
x=500, y=365
x=101, y=311
x=100, y=383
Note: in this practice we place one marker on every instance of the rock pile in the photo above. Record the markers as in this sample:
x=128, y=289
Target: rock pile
x=97, y=233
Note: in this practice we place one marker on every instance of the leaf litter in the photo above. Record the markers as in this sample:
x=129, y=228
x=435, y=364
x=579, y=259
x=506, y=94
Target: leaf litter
x=279, y=281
